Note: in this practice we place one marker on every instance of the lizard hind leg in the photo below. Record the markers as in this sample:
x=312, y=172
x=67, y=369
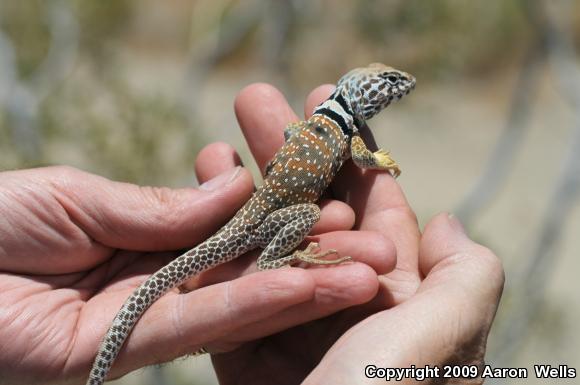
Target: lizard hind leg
x=283, y=230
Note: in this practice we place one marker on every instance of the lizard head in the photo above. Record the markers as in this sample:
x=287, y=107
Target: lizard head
x=372, y=88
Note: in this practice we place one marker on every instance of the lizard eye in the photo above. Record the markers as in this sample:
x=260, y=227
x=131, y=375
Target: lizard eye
x=392, y=78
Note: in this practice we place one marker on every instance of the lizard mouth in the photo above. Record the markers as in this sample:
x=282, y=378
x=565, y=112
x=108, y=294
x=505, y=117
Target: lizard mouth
x=403, y=89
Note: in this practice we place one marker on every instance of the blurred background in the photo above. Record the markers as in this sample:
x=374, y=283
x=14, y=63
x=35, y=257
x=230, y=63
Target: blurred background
x=132, y=90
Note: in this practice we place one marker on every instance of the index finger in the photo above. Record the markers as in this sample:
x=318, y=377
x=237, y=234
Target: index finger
x=263, y=131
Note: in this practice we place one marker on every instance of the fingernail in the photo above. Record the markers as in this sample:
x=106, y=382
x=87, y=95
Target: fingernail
x=456, y=224
x=221, y=180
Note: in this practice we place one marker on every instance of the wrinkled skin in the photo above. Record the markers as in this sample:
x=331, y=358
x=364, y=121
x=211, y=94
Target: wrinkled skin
x=73, y=246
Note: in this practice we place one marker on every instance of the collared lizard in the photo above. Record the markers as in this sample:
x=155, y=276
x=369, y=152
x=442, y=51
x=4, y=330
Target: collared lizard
x=282, y=211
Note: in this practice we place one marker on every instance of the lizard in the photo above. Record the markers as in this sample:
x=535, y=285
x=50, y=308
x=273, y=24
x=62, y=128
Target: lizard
x=283, y=210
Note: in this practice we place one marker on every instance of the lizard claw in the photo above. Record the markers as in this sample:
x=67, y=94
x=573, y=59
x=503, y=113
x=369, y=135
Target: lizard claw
x=387, y=163
x=313, y=255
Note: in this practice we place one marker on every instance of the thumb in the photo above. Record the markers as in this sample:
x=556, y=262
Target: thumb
x=127, y=216
x=446, y=322
x=461, y=290
x=446, y=253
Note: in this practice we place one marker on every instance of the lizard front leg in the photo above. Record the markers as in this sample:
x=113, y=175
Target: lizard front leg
x=290, y=130
x=283, y=230
x=293, y=128
x=378, y=160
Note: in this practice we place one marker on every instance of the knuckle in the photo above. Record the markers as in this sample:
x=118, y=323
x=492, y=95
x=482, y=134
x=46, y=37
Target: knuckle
x=158, y=195
x=63, y=172
x=163, y=205
x=408, y=214
x=487, y=264
x=492, y=264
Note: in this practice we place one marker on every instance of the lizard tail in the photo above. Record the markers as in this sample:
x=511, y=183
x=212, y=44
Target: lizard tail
x=171, y=275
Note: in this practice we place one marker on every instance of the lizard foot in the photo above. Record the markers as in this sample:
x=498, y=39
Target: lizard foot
x=385, y=162
x=200, y=352
x=313, y=255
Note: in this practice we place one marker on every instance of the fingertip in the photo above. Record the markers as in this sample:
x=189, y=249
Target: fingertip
x=352, y=284
x=317, y=96
x=214, y=159
x=368, y=247
x=376, y=251
x=263, y=112
x=261, y=96
x=446, y=219
x=381, y=253
x=252, y=91
x=439, y=240
x=366, y=284
x=388, y=249
x=242, y=185
x=442, y=226
x=335, y=215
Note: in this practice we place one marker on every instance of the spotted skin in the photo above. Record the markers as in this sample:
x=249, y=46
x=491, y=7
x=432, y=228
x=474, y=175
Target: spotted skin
x=281, y=212
x=293, y=128
x=378, y=160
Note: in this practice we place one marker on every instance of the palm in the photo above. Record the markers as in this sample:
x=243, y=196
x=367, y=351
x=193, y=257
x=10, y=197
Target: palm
x=63, y=273
x=56, y=313
x=66, y=270
x=283, y=358
x=53, y=321
x=289, y=356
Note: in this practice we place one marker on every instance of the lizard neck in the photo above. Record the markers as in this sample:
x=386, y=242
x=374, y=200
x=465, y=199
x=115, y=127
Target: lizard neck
x=337, y=109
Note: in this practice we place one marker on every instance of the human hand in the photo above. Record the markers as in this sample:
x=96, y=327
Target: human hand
x=73, y=246
x=445, y=323
x=381, y=209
